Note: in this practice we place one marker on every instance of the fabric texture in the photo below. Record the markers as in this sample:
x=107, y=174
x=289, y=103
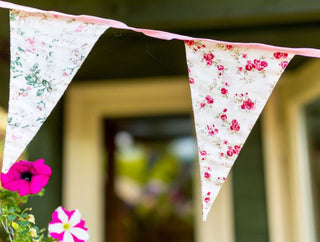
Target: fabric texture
x=310, y=52
x=46, y=53
x=230, y=85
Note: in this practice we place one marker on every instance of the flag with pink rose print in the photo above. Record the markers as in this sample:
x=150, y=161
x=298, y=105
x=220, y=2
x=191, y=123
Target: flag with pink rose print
x=46, y=52
x=230, y=85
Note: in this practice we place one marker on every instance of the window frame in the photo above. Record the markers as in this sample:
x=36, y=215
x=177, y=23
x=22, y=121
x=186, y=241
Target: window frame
x=289, y=194
x=87, y=104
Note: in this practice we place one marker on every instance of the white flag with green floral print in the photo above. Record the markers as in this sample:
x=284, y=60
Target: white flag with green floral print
x=230, y=85
x=46, y=52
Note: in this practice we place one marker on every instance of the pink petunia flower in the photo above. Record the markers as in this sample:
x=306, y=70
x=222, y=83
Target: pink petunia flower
x=68, y=226
x=26, y=177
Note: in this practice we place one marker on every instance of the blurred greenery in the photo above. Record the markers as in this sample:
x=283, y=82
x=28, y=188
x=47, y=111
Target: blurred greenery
x=153, y=180
x=158, y=173
x=16, y=220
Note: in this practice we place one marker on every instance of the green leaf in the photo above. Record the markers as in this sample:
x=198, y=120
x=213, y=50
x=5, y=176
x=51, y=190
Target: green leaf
x=49, y=88
x=35, y=66
x=40, y=92
x=20, y=49
x=17, y=76
x=12, y=16
x=11, y=209
x=24, y=232
x=12, y=217
x=28, y=77
x=23, y=223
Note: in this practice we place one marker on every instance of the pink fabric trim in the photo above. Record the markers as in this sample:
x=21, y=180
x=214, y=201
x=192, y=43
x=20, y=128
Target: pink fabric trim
x=309, y=52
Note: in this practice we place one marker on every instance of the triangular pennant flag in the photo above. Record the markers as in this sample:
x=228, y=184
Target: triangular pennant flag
x=46, y=52
x=230, y=85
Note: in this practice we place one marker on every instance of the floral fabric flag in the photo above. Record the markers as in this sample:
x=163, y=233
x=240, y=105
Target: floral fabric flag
x=46, y=52
x=230, y=85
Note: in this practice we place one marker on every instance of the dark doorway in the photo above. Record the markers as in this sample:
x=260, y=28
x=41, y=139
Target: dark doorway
x=150, y=165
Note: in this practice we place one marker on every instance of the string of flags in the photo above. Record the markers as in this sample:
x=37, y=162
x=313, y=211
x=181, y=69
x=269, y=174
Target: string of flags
x=230, y=83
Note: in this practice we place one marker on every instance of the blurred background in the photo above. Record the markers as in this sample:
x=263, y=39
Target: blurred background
x=147, y=158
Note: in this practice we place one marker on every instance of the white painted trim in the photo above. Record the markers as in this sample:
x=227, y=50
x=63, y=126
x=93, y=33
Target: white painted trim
x=288, y=181
x=219, y=226
x=86, y=106
x=275, y=167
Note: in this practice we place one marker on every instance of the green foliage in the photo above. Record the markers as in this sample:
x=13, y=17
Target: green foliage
x=18, y=223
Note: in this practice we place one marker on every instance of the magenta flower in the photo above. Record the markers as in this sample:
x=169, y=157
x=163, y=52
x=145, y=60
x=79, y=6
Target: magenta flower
x=26, y=177
x=235, y=125
x=284, y=64
x=224, y=91
x=209, y=99
x=203, y=152
x=220, y=67
x=279, y=55
x=247, y=104
x=207, y=175
x=224, y=117
x=189, y=42
x=68, y=226
x=208, y=57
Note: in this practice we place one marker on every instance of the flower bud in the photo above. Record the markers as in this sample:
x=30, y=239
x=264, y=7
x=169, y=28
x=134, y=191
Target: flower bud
x=14, y=225
x=31, y=218
x=33, y=232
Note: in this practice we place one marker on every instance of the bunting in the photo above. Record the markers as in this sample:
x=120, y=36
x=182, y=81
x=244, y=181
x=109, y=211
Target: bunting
x=230, y=83
x=46, y=52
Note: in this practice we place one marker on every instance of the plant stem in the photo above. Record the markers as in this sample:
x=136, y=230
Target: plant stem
x=7, y=229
